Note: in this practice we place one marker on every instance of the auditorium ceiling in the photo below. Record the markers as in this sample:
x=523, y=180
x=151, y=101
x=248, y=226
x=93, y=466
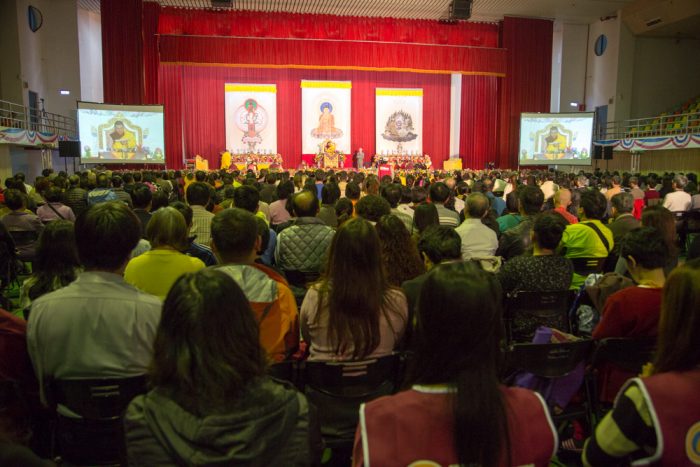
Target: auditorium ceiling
x=580, y=11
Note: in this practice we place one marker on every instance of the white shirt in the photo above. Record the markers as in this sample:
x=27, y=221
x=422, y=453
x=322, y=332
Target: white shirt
x=478, y=240
x=678, y=201
x=98, y=326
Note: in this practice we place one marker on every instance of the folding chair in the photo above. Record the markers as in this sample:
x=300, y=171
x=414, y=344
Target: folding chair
x=97, y=436
x=622, y=354
x=527, y=310
x=338, y=388
x=552, y=361
x=586, y=266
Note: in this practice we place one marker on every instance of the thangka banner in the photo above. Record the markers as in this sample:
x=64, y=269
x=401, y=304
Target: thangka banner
x=325, y=115
x=399, y=121
x=251, y=118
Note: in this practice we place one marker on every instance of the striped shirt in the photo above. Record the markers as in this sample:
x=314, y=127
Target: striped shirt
x=201, y=225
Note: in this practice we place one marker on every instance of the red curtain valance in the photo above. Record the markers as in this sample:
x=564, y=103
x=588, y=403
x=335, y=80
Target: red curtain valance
x=179, y=21
x=296, y=53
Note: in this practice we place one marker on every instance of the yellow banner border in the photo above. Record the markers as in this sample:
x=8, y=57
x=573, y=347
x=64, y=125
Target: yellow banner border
x=326, y=84
x=271, y=88
x=398, y=92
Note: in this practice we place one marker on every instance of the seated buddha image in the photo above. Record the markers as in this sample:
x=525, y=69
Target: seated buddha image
x=399, y=127
x=122, y=139
x=326, y=124
x=555, y=141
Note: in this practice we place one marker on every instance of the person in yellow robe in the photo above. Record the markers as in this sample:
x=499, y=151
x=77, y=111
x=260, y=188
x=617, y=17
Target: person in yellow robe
x=225, y=160
x=556, y=142
x=122, y=138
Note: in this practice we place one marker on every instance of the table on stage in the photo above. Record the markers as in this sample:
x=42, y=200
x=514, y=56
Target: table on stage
x=309, y=159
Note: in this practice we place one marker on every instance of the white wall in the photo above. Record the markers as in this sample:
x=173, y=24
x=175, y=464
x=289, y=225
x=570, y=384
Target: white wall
x=624, y=95
x=10, y=76
x=573, y=70
x=90, y=46
x=601, y=74
x=667, y=72
x=557, y=44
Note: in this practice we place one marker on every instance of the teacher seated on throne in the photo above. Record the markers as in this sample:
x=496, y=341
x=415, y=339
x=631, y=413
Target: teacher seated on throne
x=122, y=139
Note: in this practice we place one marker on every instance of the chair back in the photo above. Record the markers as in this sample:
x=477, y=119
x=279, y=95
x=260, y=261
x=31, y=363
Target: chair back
x=548, y=360
x=654, y=201
x=97, y=399
x=352, y=379
x=629, y=354
x=526, y=310
x=586, y=266
x=24, y=237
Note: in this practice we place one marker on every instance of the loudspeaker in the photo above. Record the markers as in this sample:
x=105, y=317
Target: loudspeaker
x=461, y=9
x=69, y=149
x=607, y=152
x=597, y=152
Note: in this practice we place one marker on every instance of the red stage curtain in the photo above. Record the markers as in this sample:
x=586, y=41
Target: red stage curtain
x=526, y=87
x=189, y=22
x=479, y=122
x=151, y=13
x=122, y=51
x=300, y=53
x=194, y=100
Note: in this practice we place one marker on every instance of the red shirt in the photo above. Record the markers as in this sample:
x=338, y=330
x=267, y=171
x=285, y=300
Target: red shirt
x=571, y=219
x=652, y=194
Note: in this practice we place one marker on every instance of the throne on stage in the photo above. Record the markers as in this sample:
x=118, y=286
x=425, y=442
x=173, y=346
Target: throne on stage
x=328, y=156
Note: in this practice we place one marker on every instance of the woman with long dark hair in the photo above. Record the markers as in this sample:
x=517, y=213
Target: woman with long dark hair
x=457, y=412
x=210, y=402
x=400, y=255
x=353, y=312
x=656, y=419
x=56, y=264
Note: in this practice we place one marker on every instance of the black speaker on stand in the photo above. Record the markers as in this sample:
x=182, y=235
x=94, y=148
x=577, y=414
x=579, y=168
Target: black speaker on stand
x=69, y=150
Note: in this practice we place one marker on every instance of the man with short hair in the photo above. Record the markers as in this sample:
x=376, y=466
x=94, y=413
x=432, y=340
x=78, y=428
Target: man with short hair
x=268, y=192
x=246, y=197
x=372, y=208
x=478, y=240
x=118, y=190
x=637, y=192
x=142, y=198
x=498, y=205
x=303, y=246
x=235, y=242
x=616, y=187
x=439, y=193
x=678, y=200
x=623, y=220
x=393, y=194
x=198, y=197
x=98, y=326
x=102, y=192
x=204, y=253
x=75, y=197
x=330, y=194
x=517, y=240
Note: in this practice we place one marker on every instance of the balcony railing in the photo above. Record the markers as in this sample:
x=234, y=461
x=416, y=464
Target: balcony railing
x=666, y=125
x=26, y=118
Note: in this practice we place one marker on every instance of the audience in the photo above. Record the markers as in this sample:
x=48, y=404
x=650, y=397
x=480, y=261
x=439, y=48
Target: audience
x=478, y=240
x=102, y=192
x=75, y=197
x=393, y=194
x=623, y=220
x=53, y=208
x=516, y=240
x=439, y=194
x=655, y=417
x=24, y=226
x=456, y=412
x=236, y=242
x=194, y=249
x=399, y=253
x=338, y=323
x=198, y=197
x=56, y=264
x=278, y=209
x=330, y=194
x=372, y=208
x=562, y=201
x=142, y=199
x=156, y=270
x=210, y=401
x=678, y=200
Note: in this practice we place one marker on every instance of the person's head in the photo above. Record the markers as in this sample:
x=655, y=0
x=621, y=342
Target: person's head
x=352, y=191
x=15, y=200
x=679, y=182
x=439, y=243
x=330, y=193
x=53, y=194
x=263, y=235
x=634, y=182
x=119, y=128
x=200, y=176
x=371, y=185
x=644, y=249
x=198, y=194
x=208, y=332
x=105, y=234
x=679, y=325
x=305, y=204
x=167, y=229
x=246, y=197
x=20, y=177
x=159, y=200
x=622, y=203
x=439, y=192
x=285, y=190
x=593, y=205
x=424, y=216
x=56, y=257
x=344, y=209
x=662, y=220
x=548, y=230
x=512, y=202
x=103, y=181
x=457, y=342
x=354, y=318
x=477, y=206
x=234, y=236
x=531, y=199
x=553, y=132
x=141, y=196
x=616, y=180
x=562, y=198
x=399, y=252
x=372, y=208
x=117, y=181
x=419, y=195
x=392, y=193
x=185, y=210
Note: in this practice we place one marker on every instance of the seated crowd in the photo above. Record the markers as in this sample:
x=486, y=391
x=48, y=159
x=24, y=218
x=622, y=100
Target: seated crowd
x=205, y=285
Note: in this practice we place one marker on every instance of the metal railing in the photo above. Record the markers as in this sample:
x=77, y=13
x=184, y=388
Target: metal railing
x=26, y=118
x=663, y=125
